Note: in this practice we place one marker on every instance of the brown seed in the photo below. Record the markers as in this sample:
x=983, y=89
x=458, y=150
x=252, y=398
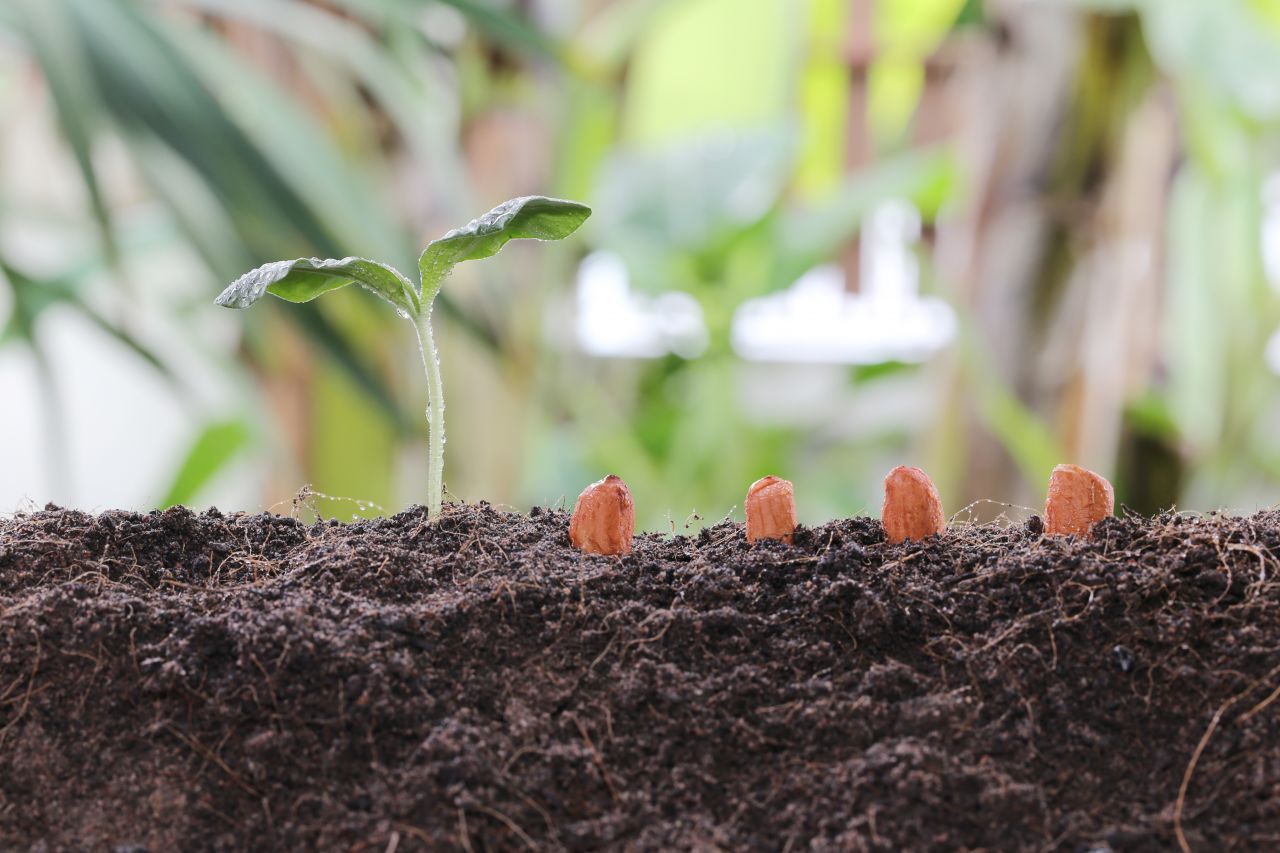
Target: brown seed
x=604, y=518
x=912, y=509
x=771, y=510
x=1078, y=498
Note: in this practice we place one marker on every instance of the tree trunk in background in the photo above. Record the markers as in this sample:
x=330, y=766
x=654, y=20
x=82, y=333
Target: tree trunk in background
x=859, y=150
x=1056, y=257
x=1104, y=346
x=994, y=244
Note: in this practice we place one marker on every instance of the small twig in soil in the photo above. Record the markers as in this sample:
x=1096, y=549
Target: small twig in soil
x=26, y=699
x=597, y=759
x=23, y=698
x=508, y=823
x=671, y=618
x=1199, y=750
x=204, y=751
x=1255, y=551
x=894, y=564
x=464, y=834
x=1191, y=769
x=271, y=689
x=1256, y=709
x=410, y=829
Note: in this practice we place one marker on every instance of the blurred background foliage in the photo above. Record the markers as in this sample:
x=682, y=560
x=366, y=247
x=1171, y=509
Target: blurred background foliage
x=1092, y=185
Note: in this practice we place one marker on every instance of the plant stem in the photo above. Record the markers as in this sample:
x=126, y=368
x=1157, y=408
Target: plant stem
x=435, y=411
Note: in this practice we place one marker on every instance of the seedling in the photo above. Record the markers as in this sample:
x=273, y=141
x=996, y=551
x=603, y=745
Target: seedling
x=304, y=279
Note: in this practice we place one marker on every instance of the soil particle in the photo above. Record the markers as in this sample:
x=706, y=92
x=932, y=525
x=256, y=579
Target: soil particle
x=228, y=681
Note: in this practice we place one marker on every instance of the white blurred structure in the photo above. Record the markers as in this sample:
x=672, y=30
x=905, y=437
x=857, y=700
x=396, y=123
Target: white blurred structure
x=1271, y=255
x=613, y=322
x=817, y=321
x=1271, y=229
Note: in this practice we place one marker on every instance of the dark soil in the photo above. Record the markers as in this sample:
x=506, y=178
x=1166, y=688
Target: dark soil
x=176, y=681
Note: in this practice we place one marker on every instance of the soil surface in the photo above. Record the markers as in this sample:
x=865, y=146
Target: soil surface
x=175, y=681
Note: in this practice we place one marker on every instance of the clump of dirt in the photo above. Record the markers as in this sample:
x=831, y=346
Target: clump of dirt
x=180, y=681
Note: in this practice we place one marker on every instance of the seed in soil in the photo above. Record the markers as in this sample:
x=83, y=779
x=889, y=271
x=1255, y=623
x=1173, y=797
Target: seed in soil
x=771, y=510
x=1078, y=498
x=912, y=508
x=604, y=518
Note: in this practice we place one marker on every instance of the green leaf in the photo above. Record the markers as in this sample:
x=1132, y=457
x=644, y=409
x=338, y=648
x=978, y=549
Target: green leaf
x=217, y=445
x=685, y=197
x=532, y=217
x=507, y=28
x=304, y=279
x=31, y=297
x=1024, y=435
x=50, y=33
x=286, y=190
x=815, y=232
x=712, y=64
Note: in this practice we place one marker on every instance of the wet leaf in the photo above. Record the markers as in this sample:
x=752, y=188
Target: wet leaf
x=304, y=279
x=531, y=217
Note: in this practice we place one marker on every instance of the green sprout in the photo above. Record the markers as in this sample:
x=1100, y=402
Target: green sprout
x=304, y=279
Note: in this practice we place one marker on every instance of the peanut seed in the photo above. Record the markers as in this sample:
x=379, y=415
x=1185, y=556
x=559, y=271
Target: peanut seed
x=771, y=510
x=912, y=509
x=604, y=518
x=1077, y=499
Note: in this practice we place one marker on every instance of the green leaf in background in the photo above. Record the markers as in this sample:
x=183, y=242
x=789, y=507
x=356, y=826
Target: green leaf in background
x=275, y=180
x=813, y=233
x=685, y=198
x=1228, y=47
x=507, y=28
x=1021, y=431
x=704, y=66
x=216, y=445
x=907, y=32
x=55, y=41
x=530, y=217
x=31, y=297
x=304, y=279
x=1024, y=435
x=824, y=98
